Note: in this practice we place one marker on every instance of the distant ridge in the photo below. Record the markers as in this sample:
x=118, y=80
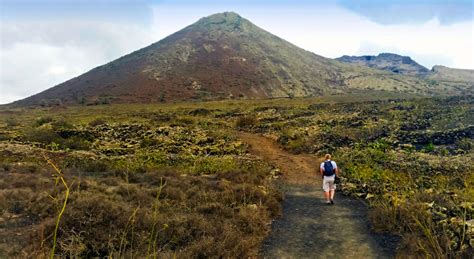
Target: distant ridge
x=450, y=77
x=452, y=74
x=225, y=56
x=388, y=61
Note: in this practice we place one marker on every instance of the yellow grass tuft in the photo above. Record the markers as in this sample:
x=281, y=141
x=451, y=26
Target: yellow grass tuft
x=58, y=177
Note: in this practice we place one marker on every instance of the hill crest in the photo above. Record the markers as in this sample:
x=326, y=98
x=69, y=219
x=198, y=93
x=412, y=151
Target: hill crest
x=388, y=61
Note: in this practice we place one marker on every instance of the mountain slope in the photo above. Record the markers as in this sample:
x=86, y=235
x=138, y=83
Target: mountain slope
x=222, y=56
x=388, y=61
x=452, y=74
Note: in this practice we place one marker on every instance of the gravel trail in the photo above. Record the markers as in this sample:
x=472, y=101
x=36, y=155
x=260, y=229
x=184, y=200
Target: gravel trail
x=309, y=228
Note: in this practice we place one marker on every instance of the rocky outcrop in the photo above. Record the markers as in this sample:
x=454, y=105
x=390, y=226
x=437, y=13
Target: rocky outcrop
x=436, y=137
x=388, y=61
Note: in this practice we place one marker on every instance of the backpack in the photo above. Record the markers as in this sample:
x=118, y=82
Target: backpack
x=328, y=169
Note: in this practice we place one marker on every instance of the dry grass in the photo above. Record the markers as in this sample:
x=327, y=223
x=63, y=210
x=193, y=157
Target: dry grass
x=156, y=213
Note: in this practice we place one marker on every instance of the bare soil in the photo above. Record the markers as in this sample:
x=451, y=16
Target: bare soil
x=308, y=227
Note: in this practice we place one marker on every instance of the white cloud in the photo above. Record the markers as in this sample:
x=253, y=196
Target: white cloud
x=57, y=70
x=38, y=55
x=333, y=32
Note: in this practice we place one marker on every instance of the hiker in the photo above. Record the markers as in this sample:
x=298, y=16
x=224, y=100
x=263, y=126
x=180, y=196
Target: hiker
x=329, y=170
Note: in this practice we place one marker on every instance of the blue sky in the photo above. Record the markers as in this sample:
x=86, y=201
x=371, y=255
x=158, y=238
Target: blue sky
x=386, y=12
x=44, y=43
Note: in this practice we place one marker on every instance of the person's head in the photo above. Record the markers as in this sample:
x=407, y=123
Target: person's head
x=327, y=157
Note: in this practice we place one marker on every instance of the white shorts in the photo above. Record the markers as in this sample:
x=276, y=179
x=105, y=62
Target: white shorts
x=328, y=183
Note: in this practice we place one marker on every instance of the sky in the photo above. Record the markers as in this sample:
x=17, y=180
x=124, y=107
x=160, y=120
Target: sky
x=46, y=42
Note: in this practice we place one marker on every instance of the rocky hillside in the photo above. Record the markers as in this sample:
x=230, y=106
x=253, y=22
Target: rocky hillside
x=452, y=74
x=388, y=61
x=224, y=56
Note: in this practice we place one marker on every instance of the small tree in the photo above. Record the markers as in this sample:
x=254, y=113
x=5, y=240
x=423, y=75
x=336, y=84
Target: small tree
x=81, y=100
x=56, y=102
x=43, y=103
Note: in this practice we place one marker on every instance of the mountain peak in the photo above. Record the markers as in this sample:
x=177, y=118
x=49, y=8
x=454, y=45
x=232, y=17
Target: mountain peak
x=389, y=55
x=224, y=15
x=393, y=56
x=225, y=19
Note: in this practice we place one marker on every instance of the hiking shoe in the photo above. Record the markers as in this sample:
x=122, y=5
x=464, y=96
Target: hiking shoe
x=332, y=202
x=328, y=203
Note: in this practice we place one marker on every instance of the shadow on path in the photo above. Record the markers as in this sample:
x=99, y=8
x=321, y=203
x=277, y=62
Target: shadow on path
x=311, y=229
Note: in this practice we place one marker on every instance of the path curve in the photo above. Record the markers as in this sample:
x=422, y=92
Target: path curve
x=309, y=228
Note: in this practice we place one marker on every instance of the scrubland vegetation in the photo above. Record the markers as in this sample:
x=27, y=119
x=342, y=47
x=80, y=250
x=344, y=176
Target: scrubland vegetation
x=173, y=179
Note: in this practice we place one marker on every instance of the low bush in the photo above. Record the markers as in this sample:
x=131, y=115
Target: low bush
x=246, y=122
x=42, y=120
x=465, y=144
x=11, y=122
x=49, y=137
x=45, y=135
x=97, y=122
x=213, y=165
x=86, y=164
x=182, y=121
x=77, y=143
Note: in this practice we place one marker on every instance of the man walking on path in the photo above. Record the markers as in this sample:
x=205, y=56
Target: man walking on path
x=329, y=170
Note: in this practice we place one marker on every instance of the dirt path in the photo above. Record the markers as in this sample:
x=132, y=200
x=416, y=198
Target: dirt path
x=309, y=228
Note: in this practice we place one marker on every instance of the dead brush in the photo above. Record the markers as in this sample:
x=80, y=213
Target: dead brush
x=155, y=230
x=433, y=246
x=384, y=215
x=129, y=227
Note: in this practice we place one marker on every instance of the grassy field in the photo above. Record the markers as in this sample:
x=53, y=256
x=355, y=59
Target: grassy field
x=174, y=180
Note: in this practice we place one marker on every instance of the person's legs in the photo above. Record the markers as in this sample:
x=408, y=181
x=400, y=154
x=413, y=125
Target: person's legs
x=332, y=188
x=327, y=196
x=326, y=189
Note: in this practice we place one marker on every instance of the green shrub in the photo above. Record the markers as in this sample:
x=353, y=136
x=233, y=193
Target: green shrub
x=42, y=120
x=465, y=144
x=246, y=122
x=77, y=143
x=11, y=122
x=97, y=122
x=212, y=165
x=61, y=124
x=429, y=148
x=87, y=164
x=300, y=145
x=149, y=142
x=182, y=121
x=44, y=135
